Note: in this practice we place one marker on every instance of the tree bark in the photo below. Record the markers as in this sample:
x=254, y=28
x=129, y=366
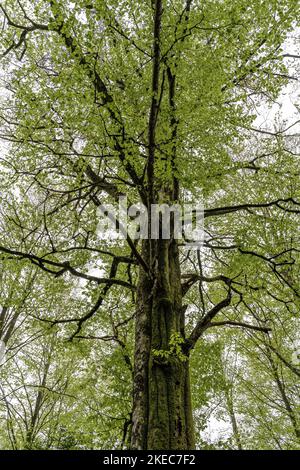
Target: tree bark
x=288, y=406
x=234, y=424
x=162, y=413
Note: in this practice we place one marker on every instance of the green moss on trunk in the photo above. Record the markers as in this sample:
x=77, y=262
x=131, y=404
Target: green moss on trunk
x=162, y=415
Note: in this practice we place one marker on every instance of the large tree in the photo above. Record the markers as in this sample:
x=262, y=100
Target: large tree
x=156, y=101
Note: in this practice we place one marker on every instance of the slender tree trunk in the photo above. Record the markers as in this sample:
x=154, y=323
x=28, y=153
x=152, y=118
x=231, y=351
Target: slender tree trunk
x=162, y=415
x=234, y=424
x=30, y=435
x=290, y=412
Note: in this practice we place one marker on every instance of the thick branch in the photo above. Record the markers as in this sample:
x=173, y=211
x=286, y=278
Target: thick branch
x=155, y=97
x=294, y=369
x=193, y=278
x=204, y=322
x=228, y=209
x=240, y=324
x=64, y=267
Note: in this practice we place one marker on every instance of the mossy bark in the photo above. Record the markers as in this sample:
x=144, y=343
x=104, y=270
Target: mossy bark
x=162, y=415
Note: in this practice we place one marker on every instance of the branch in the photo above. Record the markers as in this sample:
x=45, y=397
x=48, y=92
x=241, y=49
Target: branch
x=95, y=308
x=100, y=87
x=285, y=362
x=204, y=322
x=228, y=209
x=273, y=266
x=64, y=267
x=155, y=99
x=107, y=99
x=81, y=320
x=193, y=278
x=25, y=30
x=125, y=233
x=240, y=324
x=293, y=56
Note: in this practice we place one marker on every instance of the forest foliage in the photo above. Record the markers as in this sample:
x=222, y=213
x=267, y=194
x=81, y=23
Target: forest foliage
x=75, y=97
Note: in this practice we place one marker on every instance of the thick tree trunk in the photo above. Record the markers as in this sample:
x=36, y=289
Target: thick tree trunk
x=162, y=415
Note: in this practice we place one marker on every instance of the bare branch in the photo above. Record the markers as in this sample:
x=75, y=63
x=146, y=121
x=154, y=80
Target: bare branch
x=64, y=267
x=240, y=324
x=228, y=209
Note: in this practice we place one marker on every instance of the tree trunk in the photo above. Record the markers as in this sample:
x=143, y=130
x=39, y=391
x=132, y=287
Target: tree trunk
x=288, y=406
x=234, y=424
x=162, y=415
